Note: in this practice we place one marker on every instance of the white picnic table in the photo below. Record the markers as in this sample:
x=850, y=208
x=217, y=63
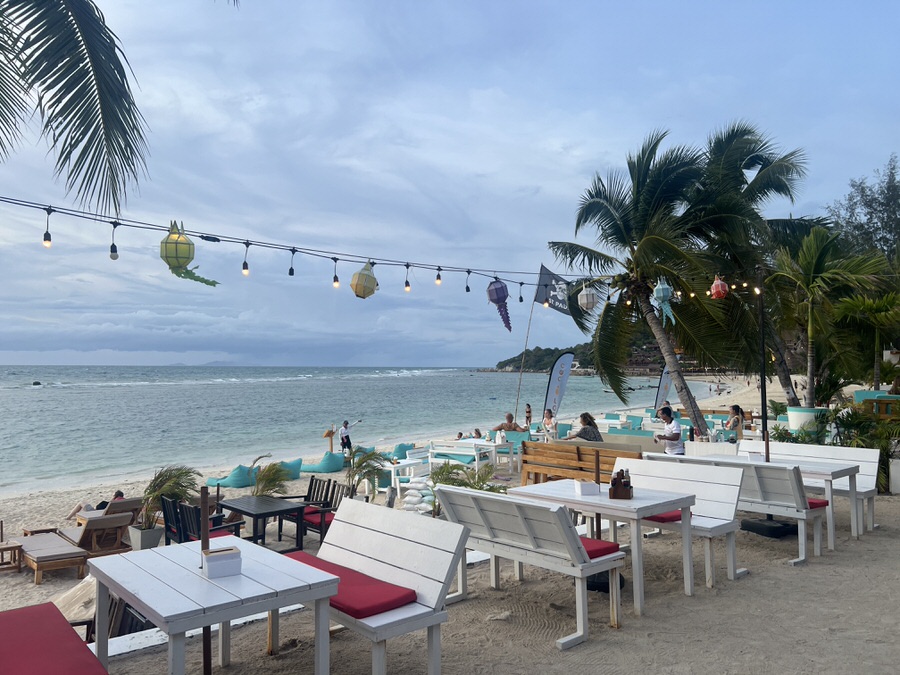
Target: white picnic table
x=166, y=585
x=645, y=503
x=483, y=443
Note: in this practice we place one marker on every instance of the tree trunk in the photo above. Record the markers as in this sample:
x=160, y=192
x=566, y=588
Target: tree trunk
x=876, y=374
x=783, y=371
x=674, y=365
x=809, y=400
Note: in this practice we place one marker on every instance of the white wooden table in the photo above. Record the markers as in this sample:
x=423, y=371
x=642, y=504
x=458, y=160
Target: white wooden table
x=483, y=444
x=645, y=503
x=166, y=585
x=824, y=471
x=400, y=468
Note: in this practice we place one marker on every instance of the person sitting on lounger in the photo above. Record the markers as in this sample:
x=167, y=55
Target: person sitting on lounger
x=85, y=506
x=588, y=430
x=509, y=424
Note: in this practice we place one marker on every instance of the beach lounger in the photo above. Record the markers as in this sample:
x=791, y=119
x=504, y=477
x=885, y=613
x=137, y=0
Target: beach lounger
x=102, y=535
x=48, y=551
x=130, y=505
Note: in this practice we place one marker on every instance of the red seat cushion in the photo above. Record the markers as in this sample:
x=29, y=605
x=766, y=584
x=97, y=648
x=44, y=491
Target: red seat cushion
x=667, y=517
x=597, y=548
x=817, y=503
x=315, y=519
x=39, y=641
x=359, y=595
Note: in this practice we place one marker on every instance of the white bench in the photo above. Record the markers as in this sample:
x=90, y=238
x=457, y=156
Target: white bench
x=716, y=489
x=475, y=456
x=770, y=489
x=403, y=549
x=536, y=533
x=867, y=458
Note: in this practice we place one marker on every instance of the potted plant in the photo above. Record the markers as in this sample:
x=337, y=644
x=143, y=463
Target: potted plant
x=175, y=481
x=366, y=465
x=270, y=480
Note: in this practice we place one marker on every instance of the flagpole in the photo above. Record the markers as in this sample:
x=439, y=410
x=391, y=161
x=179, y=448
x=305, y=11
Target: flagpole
x=522, y=365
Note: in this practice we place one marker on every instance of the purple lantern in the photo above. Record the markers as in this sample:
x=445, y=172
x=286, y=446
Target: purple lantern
x=498, y=293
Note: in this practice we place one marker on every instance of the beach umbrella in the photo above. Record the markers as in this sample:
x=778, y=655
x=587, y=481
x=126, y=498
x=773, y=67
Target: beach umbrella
x=719, y=289
x=364, y=282
x=498, y=293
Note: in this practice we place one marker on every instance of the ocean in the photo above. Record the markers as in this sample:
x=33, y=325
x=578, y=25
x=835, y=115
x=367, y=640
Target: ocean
x=85, y=425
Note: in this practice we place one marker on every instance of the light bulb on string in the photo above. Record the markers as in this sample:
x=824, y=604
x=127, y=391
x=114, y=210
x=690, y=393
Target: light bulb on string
x=468, y=272
x=336, y=282
x=437, y=279
x=291, y=268
x=245, y=268
x=406, y=286
x=113, y=249
x=48, y=240
x=521, y=285
x=546, y=295
x=744, y=285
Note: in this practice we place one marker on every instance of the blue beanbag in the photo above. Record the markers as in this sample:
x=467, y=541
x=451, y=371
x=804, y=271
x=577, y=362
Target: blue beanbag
x=332, y=462
x=401, y=449
x=239, y=477
x=293, y=468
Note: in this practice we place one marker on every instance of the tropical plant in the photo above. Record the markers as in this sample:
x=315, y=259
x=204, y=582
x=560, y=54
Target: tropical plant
x=777, y=408
x=818, y=271
x=175, y=481
x=270, y=480
x=781, y=434
x=872, y=315
x=467, y=477
x=366, y=465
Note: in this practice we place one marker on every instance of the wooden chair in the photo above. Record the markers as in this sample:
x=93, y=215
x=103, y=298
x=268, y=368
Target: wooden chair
x=130, y=505
x=318, y=492
x=102, y=535
x=320, y=520
x=190, y=517
x=171, y=522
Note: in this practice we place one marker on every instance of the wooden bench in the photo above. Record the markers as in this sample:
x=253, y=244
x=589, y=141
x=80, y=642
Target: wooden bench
x=716, y=489
x=38, y=640
x=395, y=568
x=770, y=489
x=581, y=461
x=866, y=479
x=542, y=535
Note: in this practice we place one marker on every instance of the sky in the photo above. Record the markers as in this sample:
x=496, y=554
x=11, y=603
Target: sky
x=458, y=133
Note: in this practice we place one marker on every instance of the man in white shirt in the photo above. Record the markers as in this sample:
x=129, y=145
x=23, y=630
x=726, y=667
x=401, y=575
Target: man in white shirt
x=346, y=445
x=671, y=434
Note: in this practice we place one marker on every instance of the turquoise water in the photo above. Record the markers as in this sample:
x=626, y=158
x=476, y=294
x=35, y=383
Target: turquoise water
x=87, y=425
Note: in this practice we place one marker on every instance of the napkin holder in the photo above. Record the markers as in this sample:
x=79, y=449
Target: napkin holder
x=620, y=487
x=586, y=488
x=221, y=562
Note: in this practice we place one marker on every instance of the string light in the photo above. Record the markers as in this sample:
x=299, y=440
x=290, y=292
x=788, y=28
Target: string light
x=291, y=268
x=245, y=268
x=48, y=240
x=437, y=279
x=521, y=284
x=468, y=273
x=546, y=295
x=336, y=282
x=406, y=286
x=113, y=250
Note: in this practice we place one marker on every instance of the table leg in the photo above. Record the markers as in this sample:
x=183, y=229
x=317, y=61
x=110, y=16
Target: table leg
x=637, y=565
x=176, y=654
x=613, y=528
x=322, y=653
x=856, y=510
x=225, y=643
x=829, y=514
x=101, y=624
x=272, y=635
x=259, y=537
x=299, y=534
x=687, y=551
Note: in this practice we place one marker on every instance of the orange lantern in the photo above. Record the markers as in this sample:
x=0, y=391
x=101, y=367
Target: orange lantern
x=719, y=289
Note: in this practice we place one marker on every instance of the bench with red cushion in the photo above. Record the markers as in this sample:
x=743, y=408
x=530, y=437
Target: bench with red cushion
x=597, y=548
x=817, y=503
x=359, y=595
x=37, y=640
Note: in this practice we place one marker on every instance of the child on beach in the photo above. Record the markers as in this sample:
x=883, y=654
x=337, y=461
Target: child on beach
x=85, y=506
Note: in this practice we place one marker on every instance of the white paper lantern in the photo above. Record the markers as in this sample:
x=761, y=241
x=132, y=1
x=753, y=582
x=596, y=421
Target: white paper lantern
x=588, y=299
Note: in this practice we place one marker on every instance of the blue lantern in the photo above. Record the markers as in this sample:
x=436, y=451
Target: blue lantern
x=663, y=294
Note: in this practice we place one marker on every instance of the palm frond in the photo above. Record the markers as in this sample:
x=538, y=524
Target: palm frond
x=611, y=345
x=587, y=259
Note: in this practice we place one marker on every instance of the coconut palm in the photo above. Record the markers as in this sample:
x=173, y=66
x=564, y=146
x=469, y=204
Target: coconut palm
x=817, y=272
x=873, y=315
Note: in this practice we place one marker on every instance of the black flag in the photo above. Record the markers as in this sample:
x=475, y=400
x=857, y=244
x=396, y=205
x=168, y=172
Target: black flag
x=552, y=290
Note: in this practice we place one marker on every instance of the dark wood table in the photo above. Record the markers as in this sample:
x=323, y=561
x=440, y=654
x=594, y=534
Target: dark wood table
x=260, y=508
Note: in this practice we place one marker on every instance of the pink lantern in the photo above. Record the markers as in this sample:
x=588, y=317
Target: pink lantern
x=498, y=293
x=719, y=289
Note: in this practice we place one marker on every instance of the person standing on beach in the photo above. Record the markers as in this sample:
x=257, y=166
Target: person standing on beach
x=528, y=415
x=346, y=445
x=671, y=434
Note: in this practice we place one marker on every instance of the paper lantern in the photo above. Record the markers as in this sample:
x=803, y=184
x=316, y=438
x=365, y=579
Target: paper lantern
x=498, y=293
x=364, y=282
x=663, y=294
x=176, y=249
x=588, y=299
x=719, y=289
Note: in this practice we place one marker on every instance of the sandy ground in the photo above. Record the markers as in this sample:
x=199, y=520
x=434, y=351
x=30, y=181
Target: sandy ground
x=834, y=615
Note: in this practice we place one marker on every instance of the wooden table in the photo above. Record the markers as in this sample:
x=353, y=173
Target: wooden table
x=260, y=508
x=644, y=503
x=824, y=471
x=14, y=549
x=166, y=585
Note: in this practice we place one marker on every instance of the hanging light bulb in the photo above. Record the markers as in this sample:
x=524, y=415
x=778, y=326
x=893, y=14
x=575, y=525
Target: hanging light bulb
x=245, y=268
x=468, y=272
x=113, y=250
x=546, y=295
x=48, y=240
x=693, y=294
x=336, y=282
x=437, y=279
x=521, y=285
x=406, y=286
x=291, y=268
x=744, y=285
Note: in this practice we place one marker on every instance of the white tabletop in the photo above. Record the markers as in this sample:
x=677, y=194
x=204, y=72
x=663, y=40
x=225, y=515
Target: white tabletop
x=809, y=469
x=644, y=503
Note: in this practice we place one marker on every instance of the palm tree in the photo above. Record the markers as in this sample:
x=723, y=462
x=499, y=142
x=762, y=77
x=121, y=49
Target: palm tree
x=818, y=271
x=871, y=314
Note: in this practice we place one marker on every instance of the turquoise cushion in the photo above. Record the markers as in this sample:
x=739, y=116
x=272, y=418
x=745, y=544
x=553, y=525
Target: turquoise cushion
x=239, y=477
x=462, y=459
x=401, y=449
x=332, y=462
x=293, y=468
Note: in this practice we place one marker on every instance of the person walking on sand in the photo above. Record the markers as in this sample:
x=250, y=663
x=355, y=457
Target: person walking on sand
x=346, y=445
x=671, y=434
